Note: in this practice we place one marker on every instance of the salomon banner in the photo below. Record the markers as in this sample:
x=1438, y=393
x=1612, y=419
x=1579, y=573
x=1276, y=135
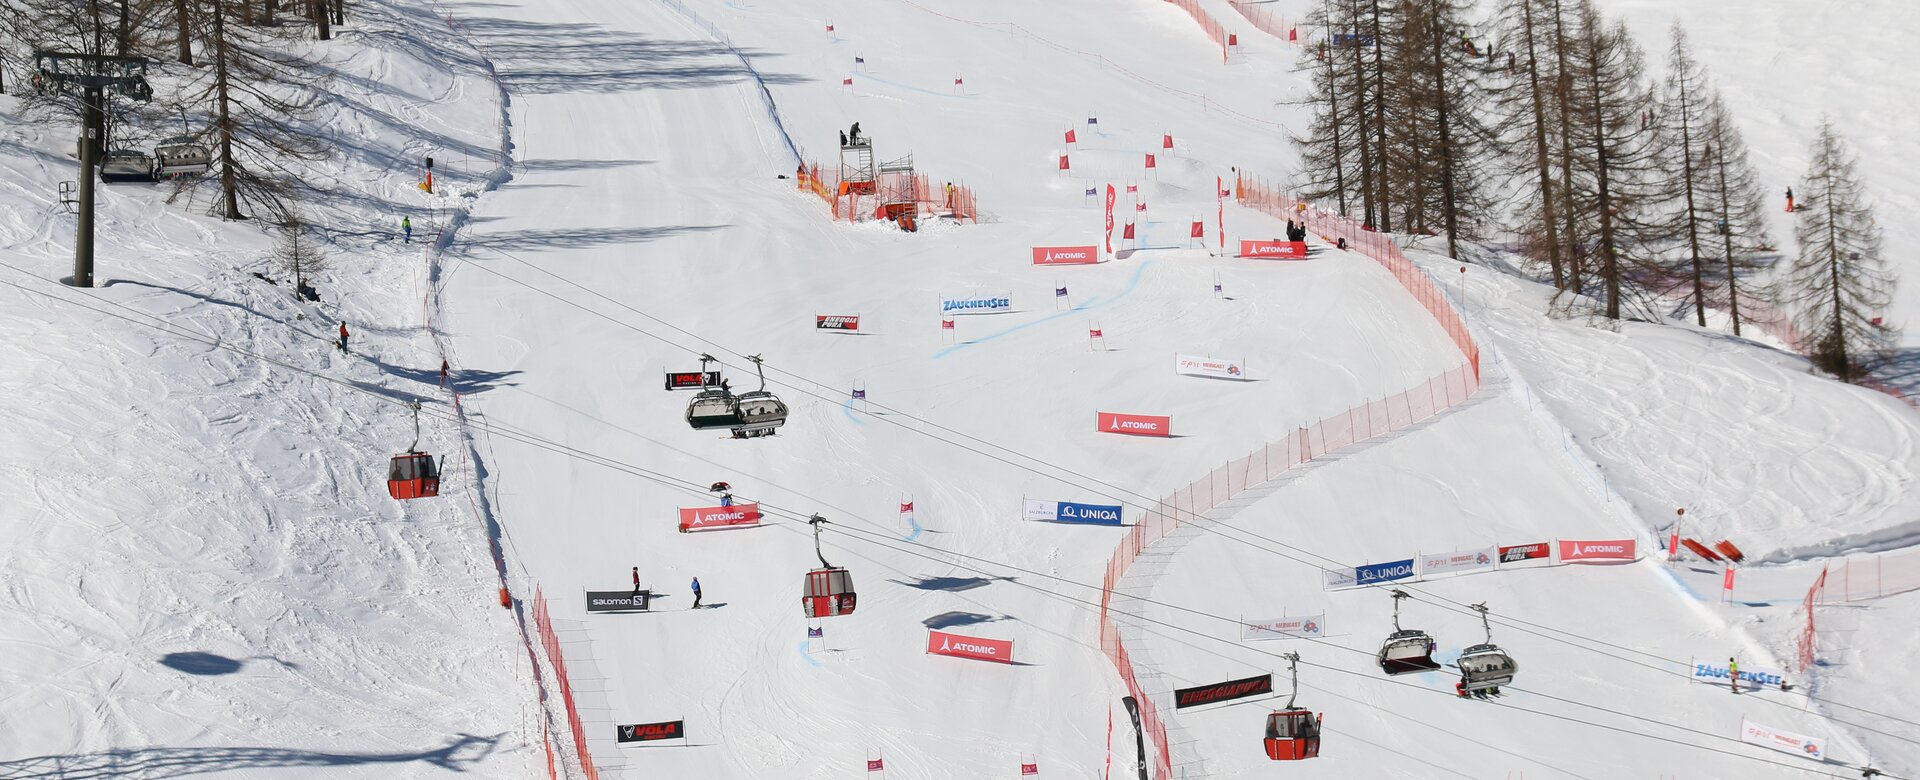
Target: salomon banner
x=943, y=643
x=1382, y=572
x=1751, y=677
x=1274, y=250
x=977, y=304
x=1066, y=255
x=648, y=732
x=1219, y=692
x=1302, y=627
x=1456, y=562
x=690, y=380
x=1525, y=552
x=1135, y=424
x=1219, y=368
x=719, y=517
x=617, y=600
x=1785, y=742
x=1614, y=550
x=836, y=321
x=1089, y=514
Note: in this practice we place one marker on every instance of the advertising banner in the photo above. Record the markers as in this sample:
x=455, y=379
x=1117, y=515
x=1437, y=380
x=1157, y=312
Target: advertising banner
x=1769, y=737
x=1382, y=572
x=977, y=304
x=1753, y=678
x=943, y=643
x=1518, y=553
x=1611, y=550
x=1089, y=514
x=1302, y=627
x=1135, y=424
x=1044, y=511
x=719, y=517
x=1273, y=250
x=648, y=732
x=691, y=380
x=616, y=601
x=1219, y=692
x=1457, y=561
x=1219, y=368
x=1066, y=255
x=1337, y=578
x=836, y=321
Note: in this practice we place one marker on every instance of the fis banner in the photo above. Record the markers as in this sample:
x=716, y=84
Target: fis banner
x=1753, y=678
x=1066, y=255
x=1274, y=250
x=1303, y=627
x=1382, y=572
x=1457, y=561
x=1220, y=368
x=689, y=380
x=719, y=517
x=977, y=304
x=1135, y=424
x=943, y=643
x=1519, y=553
x=648, y=732
x=1219, y=692
x=836, y=321
x=616, y=600
x=1785, y=742
x=1070, y=512
x=1612, y=550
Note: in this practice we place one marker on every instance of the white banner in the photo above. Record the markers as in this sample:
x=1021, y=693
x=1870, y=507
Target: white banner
x=1751, y=677
x=1221, y=368
x=1046, y=511
x=1458, y=561
x=976, y=304
x=1338, y=578
x=1302, y=627
x=1769, y=737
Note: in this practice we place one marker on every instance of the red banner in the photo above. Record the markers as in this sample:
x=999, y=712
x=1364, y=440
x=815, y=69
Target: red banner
x=1524, y=552
x=719, y=517
x=1135, y=424
x=1274, y=250
x=1613, y=550
x=836, y=321
x=1066, y=255
x=1109, y=219
x=943, y=643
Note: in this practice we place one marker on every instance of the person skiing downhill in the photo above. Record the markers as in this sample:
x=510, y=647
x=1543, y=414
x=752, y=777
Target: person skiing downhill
x=1733, y=675
x=696, y=593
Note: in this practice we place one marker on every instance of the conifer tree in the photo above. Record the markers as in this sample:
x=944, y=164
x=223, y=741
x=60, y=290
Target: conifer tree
x=1839, y=280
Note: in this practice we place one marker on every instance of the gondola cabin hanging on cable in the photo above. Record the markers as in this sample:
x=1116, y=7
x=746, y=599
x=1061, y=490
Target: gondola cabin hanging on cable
x=413, y=474
x=1405, y=651
x=1293, y=733
x=1484, y=667
x=828, y=590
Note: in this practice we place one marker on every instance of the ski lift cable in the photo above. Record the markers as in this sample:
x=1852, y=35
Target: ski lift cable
x=689, y=486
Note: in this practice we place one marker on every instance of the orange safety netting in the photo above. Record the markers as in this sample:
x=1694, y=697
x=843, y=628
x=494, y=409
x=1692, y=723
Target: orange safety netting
x=1207, y=23
x=550, y=640
x=890, y=197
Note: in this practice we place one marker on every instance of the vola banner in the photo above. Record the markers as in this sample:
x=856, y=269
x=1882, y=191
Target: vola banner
x=1219, y=368
x=1783, y=741
x=958, y=646
x=1457, y=561
x=1610, y=550
x=648, y=732
x=1135, y=424
x=1066, y=255
x=1302, y=627
x=719, y=517
x=1274, y=250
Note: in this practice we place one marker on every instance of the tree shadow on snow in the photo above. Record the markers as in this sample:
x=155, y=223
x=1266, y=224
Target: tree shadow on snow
x=1901, y=371
x=214, y=664
x=955, y=619
x=950, y=584
x=457, y=755
x=578, y=238
x=549, y=58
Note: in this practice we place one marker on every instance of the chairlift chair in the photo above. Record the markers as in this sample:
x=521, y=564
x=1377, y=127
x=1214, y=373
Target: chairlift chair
x=1293, y=733
x=759, y=411
x=126, y=165
x=1405, y=651
x=714, y=406
x=181, y=156
x=828, y=590
x=1485, y=666
x=413, y=474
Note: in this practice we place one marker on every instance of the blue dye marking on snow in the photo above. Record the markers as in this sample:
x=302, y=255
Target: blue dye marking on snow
x=847, y=407
x=864, y=76
x=1092, y=303
x=916, y=528
x=809, y=656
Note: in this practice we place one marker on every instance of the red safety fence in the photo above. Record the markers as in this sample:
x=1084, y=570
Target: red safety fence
x=1803, y=655
x=891, y=196
x=550, y=640
x=1207, y=23
x=1262, y=17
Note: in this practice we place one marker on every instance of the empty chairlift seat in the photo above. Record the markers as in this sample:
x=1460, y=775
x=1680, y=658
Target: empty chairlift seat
x=181, y=156
x=126, y=165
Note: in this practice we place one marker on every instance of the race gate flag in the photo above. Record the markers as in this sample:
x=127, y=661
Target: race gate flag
x=1382, y=572
x=689, y=380
x=1066, y=255
x=1612, y=550
x=1029, y=769
x=976, y=304
x=1785, y=742
x=648, y=732
x=876, y=764
x=1520, y=553
x=1301, y=627
x=1219, y=692
x=719, y=517
x=1273, y=250
x=1070, y=512
x=1752, y=678
x=958, y=646
x=1219, y=368
x=1135, y=424
x=836, y=321
x=1457, y=561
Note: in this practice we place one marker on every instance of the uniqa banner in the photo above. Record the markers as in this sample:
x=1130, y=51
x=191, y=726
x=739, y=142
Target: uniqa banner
x=1220, y=368
x=977, y=304
x=1274, y=250
x=1066, y=255
x=1070, y=512
x=1225, y=691
x=719, y=517
x=1610, y=550
x=1457, y=561
x=1754, y=678
x=1785, y=742
x=1382, y=572
x=958, y=646
x=1135, y=424
x=1302, y=627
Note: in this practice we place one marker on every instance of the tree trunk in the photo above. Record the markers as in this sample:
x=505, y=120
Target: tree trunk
x=1380, y=117
x=321, y=18
x=180, y=29
x=1609, y=256
x=1693, y=221
x=223, y=118
x=1726, y=235
x=1339, y=155
x=1367, y=172
x=1564, y=89
x=1447, y=209
x=1548, y=217
x=1842, y=362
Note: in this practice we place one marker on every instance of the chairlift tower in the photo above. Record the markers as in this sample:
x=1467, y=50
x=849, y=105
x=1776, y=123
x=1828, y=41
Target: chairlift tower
x=89, y=77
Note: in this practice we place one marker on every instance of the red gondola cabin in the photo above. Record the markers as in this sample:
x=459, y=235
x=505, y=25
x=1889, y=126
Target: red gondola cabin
x=1292, y=735
x=828, y=592
x=413, y=475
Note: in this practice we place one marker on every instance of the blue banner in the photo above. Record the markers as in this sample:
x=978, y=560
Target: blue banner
x=1093, y=514
x=1383, y=572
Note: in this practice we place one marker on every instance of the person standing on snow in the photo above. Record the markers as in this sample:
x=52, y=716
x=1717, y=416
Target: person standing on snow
x=343, y=336
x=636, y=582
x=406, y=226
x=696, y=593
x=1733, y=675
